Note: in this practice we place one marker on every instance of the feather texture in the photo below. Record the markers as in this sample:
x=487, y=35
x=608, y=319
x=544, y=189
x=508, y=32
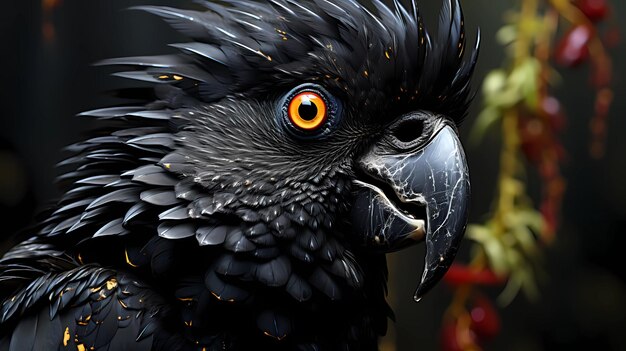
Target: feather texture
x=220, y=231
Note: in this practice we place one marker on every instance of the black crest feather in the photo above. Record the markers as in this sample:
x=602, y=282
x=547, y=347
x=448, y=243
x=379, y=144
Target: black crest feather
x=253, y=47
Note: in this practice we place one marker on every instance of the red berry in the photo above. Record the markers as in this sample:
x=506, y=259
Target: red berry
x=532, y=134
x=457, y=338
x=459, y=274
x=553, y=110
x=595, y=10
x=572, y=49
x=601, y=72
x=549, y=212
x=485, y=320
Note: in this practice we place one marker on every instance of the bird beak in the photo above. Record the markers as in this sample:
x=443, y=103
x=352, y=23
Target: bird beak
x=407, y=196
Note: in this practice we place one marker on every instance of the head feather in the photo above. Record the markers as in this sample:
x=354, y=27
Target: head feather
x=384, y=58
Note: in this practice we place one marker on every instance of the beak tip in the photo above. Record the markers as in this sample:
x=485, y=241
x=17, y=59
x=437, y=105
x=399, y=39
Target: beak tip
x=417, y=297
x=421, y=290
x=431, y=277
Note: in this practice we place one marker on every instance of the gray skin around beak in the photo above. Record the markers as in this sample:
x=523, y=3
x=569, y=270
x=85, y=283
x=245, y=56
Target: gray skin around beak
x=415, y=187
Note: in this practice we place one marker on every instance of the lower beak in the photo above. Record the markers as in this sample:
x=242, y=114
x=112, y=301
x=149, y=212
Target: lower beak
x=415, y=196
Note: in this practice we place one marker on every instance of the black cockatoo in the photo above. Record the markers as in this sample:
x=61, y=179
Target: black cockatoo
x=248, y=200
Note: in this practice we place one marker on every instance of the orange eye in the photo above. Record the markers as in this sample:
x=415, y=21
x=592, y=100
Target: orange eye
x=307, y=111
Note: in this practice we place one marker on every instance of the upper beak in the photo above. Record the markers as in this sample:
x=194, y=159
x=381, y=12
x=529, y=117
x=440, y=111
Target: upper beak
x=415, y=191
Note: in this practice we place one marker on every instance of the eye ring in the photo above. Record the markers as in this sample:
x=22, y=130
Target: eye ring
x=307, y=111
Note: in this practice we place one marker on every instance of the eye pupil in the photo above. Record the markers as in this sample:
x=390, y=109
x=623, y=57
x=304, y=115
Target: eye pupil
x=307, y=110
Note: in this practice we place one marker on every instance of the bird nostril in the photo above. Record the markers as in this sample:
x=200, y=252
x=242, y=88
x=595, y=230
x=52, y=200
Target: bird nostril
x=409, y=130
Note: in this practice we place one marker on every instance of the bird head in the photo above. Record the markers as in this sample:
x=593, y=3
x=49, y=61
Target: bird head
x=307, y=130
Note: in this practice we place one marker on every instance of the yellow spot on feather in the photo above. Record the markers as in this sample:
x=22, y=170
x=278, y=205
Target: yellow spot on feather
x=66, y=336
x=216, y=296
x=122, y=303
x=128, y=259
x=80, y=347
x=111, y=284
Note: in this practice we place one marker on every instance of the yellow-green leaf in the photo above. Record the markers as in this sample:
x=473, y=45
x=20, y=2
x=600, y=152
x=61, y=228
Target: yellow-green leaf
x=487, y=117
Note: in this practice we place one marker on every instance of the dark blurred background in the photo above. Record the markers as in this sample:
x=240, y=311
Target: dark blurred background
x=46, y=58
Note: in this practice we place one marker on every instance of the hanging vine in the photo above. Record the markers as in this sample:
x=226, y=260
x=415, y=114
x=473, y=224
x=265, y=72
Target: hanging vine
x=519, y=98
